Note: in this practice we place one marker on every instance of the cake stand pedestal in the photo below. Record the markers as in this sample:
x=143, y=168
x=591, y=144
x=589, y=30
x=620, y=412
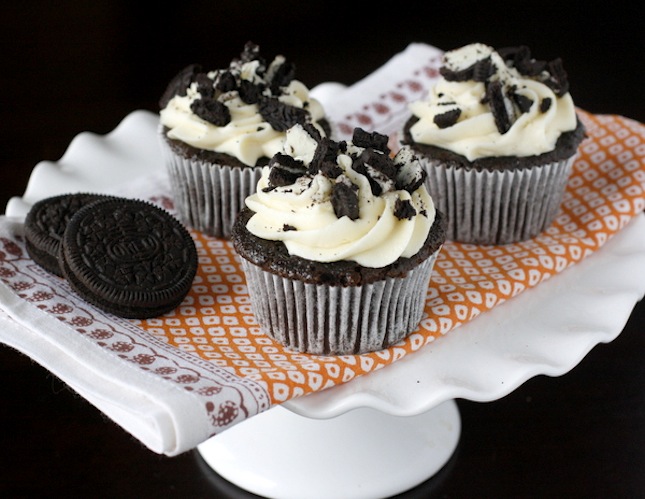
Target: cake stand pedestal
x=363, y=453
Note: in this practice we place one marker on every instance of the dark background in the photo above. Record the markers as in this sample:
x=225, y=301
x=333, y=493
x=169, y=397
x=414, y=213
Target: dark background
x=73, y=66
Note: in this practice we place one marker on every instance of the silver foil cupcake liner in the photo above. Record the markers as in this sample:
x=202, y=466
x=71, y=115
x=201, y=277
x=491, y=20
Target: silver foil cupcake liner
x=337, y=320
x=500, y=206
x=208, y=196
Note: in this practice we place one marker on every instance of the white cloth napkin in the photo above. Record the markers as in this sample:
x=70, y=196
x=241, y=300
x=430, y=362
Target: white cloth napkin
x=173, y=408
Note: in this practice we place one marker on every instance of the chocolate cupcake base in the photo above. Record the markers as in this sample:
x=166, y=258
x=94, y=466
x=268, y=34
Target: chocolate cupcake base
x=338, y=320
x=208, y=196
x=498, y=206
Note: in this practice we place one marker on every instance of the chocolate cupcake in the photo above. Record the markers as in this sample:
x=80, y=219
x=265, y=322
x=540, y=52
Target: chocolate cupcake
x=497, y=135
x=218, y=128
x=338, y=243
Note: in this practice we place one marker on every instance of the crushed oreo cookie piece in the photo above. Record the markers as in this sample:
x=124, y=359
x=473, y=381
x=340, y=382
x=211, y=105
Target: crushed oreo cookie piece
x=545, y=105
x=226, y=82
x=403, y=209
x=410, y=175
x=330, y=169
x=373, y=140
x=205, y=86
x=379, y=182
x=251, y=52
x=520, y=58
x=282, y=76
x=326, y=152
x=250, y=93
x=495, y=99
x=212, y=111
x=313, y=132
x=379, y=161
x=558, y=80
x=344, y=199
x=383, y=172
x=506, y=104
x=320, y=154
x=550, y=73
x=522, y=102
x=377, y=167
x=263, y=88
x=483, y=69
x=281, y=116
x=461, y=75
x=285, y=170
x=325, y=155
x=447, y=119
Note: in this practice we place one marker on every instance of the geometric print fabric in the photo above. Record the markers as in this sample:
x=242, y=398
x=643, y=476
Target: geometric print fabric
x=605, y=191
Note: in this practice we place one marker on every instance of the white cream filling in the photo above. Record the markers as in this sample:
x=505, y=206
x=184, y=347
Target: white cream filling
x=377, y=238
x=475, y=134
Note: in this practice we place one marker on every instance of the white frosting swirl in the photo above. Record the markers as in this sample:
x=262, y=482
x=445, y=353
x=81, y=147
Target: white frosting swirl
x=247, y=136
x=302, y=215
x=475, y=134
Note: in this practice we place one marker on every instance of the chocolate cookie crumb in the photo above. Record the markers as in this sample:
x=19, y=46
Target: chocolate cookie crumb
x=281, y=116
x=410, y=175
x=522, y=102
x=545, y=105
x=212, y=111
x=250, y=52
x=205, y=86
x=374, y=140
x=495, y=98
x=249, y=92
x=558, y=80
x=344, y=199
x=403, y=209
x=449, y=118
x=330, y=169
x=483, y=69
x=285, y=170
x=462, y=75
x=377, y=167
x=283, y=75
x=520, y=58
x=226, y=82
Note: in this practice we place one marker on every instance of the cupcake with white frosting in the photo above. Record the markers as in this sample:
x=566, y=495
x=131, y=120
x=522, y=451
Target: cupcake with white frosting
x=497, y=135
x=338, y=243
x=218, y=128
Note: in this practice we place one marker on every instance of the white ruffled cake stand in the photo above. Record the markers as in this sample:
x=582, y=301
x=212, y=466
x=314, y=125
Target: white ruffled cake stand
x=386, y=432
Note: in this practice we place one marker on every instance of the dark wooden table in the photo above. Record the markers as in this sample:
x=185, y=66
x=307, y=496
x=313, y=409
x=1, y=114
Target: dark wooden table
x=72, y=66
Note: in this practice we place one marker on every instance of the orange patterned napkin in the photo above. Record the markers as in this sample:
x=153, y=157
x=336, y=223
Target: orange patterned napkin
x=606, y=190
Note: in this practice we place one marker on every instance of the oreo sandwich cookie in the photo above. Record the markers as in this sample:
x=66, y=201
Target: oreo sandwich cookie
x=128, y=257
x=45, y=225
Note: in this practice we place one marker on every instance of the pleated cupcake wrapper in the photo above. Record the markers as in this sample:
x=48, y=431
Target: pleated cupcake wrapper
x=208, y=196
x=336, y=320
x=497, y=207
